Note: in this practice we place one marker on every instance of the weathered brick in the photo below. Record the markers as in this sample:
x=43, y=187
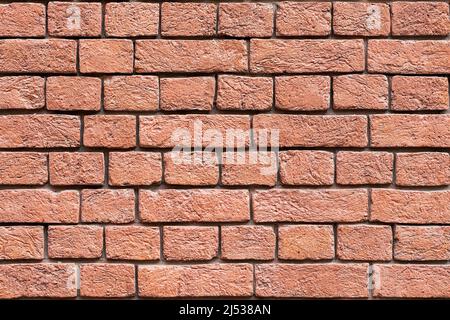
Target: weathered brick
x=134, y=168
x=248, y=243
x=364, y=242
x=107, y=280
x=22, y=92
x=22, y=242
x=76, y=168
x=306, y=167
x=419, y=93
x=303, y=19
x=188, y=19
x=73, y=93
x=34, y=206
x=131, y=93
x=194, y=93
x=22, y=20
x=204, y=205
x=294, y=56
x=246, y=19
x=367, y=167
x=244, y=93
x=310, y=205
x=106, y=56
x=410, y=131
x=360, y=92
x=107, y=206
x=314, y=131
x=75, y=242
x=43, y=280
x=420, y=207
x=27, y=168
x=110, y=131
x=213, y=280
x=312, y=280
x=190, y=243
x=124, y=19
x=74, y=19
x=306, y=242
x=190, y=56
x=132, y=243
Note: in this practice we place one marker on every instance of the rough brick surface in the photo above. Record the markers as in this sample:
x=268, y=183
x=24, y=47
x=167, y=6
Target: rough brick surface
x=229, y=148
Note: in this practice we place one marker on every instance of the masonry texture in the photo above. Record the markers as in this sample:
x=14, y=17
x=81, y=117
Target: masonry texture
x=93, y=205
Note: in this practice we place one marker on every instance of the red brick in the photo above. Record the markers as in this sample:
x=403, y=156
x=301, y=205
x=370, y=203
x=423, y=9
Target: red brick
x=190, y=243
x=134, y=168
x=423, y=169
x=306, y=242
x=191, y=168
x=21, y=242
x=131, y=19
x=310, y=205
x=26, y=168
x=107, y=131
x=420, y=18
x=107, y=280
x=312, y=280
x=364, y=242
x=107, y=206
x=249, y=168
x=38, y=56
x=188, y=19
x=315, y=131
x=168, y=131
x=420, y=207
x=246, y=19
x=195, y=205
x=22, y=92
x=409, y=56
x=22, y=20
x=76, y=168
x=39, y=206
x=190, y=56
x=295, y=56
x=244, y=93
x=75, y=242
x=360, y=92
x=410, y=131
x=425, y=243
x=131, y=93
x=195, y=93
x=67, y=19
x=302, y=93
x=353, y=168
x=419, y=93
x=39, y=131
x=247, y=243
x=208, y=280
x=306, y=167
x=411, y=281
x=132, y=243
x=303, y=19
x=73, y=93
x=361, y=19
x=43, y=280
x=106, y=56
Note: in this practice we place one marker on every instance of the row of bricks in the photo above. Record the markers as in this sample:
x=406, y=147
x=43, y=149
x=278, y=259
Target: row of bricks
x=318, y=280
x=225, y=19
x=356, y=242
x=307, y=168
x=273, y=56
x=232, y=131
x=292, y=93
x=225, y=205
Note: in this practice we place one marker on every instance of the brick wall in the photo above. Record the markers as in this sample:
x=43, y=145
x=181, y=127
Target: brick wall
x=92, y=203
